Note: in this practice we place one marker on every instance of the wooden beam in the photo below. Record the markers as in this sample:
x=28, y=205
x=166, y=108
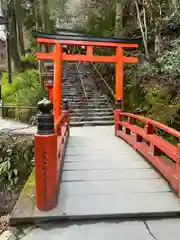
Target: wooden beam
x=86, y=43
x=86, y=58
x=130, y=59
x=45, y=56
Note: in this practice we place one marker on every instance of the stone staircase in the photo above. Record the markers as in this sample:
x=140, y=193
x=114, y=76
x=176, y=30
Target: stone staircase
x=95, y=108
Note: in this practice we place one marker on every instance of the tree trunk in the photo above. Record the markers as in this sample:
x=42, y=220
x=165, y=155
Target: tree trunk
x=19, y=19
x=119, y=17
x=20, y=37
x=44, y=8
x=142, y=31
x=13, y=35
x=157, y=44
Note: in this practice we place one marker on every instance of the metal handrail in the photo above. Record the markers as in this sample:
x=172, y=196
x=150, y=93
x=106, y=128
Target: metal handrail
x=105, y=82
x=18, y=107
x=82, y=83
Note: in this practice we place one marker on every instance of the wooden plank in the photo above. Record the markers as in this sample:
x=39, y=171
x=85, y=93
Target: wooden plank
x=123, y=159
x=99, y=165
x=102, y=175
x=117, y=187
x=100, y=206
x=119, y=205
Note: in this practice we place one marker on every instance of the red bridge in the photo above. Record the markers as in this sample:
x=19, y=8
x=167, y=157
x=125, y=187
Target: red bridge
x=125, y=170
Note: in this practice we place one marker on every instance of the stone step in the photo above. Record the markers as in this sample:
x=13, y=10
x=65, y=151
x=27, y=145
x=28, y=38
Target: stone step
x=82, y=99
x=82, y=110
x=67, y=91
x=77, y=98
x=90, y=94
x=90, y=114
x=97, y=118
x=78, y=88
x=89, y=106
x=78, y=83
x=74, y=82
x=88, y=101
x=74, y=95
x=78, y=91
x=91, y=123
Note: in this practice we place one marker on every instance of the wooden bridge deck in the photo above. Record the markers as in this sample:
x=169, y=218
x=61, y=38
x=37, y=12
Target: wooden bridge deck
x=103, y=177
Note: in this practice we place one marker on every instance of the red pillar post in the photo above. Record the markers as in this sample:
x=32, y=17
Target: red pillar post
x=119, y=77
x=57, y=89
x=46, y=165
x=119, y=87
x=50, y=91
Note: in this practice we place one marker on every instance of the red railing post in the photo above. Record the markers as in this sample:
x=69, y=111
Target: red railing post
x=117, y=118
x=153, y=150
x=131, y=121
x=46, y=169
x=66, y=110
x=149, y=129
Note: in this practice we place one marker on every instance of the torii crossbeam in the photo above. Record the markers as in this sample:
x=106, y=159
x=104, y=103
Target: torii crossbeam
x=58, y=40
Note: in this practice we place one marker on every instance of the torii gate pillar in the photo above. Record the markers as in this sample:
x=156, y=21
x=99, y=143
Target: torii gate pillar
x=57, y=91
x=119, y=78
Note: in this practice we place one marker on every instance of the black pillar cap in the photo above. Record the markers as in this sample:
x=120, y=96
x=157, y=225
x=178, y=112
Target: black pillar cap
x=118, y=104
x=45, y=125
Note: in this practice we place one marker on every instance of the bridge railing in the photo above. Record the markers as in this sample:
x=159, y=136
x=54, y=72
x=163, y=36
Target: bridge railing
x=142, y=134
x=50, y=144
x=62, y=129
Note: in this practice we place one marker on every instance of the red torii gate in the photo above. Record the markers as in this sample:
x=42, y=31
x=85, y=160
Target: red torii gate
x=51, y=138
x=58, y=57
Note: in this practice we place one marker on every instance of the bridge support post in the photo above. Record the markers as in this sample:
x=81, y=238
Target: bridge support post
x=46, y=169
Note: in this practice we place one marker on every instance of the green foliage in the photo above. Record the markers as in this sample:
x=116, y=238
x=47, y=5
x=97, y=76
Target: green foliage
x=31, y=58
x=147, y=69
x=25, y=90
x=170, y=61
x=161, y=106
x=29, y=61
x=16, y=160
x=157, y=94
x=172, y=22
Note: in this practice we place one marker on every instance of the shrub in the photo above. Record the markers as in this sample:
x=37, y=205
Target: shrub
x=170, y=62
x=158, y=100
x=25, y=90
x=16, y=160
x=29, y=61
